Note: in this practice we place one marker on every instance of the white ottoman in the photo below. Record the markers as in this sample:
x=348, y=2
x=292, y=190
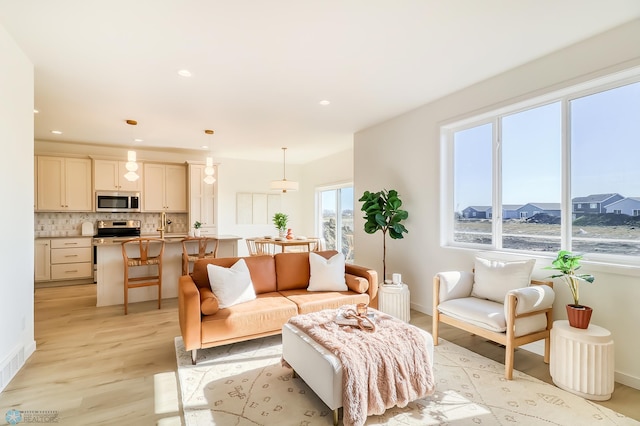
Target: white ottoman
x=318, y=367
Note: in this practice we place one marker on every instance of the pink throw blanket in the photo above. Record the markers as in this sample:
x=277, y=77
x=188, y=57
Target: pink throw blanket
x=381, y=369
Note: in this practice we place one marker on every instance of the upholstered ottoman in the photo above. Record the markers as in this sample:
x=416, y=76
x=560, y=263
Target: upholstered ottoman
x=319, y=368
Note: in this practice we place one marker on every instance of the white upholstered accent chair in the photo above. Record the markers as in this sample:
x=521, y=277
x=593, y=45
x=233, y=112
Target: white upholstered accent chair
x=498, y=301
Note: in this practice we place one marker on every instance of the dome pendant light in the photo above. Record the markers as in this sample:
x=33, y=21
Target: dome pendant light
x=209, y=171
x=284, y=185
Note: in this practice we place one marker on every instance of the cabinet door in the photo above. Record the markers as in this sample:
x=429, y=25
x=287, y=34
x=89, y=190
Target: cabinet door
x=201, y=199
x=153, y=195
x=51, y=184
x=78, y=188
x=105, y=175
x=42, y=263
x=175, y=188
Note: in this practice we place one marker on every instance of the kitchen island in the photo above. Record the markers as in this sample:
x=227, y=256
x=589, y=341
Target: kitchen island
x=110, y=268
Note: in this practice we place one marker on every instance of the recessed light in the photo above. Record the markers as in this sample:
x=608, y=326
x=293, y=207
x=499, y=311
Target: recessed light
x=204, y=147
x=56, y=132
x=184, y=73
x=35, y=111
x=138, y=140
x=324, y=102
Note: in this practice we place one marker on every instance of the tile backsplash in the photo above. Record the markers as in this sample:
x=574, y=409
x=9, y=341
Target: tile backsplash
x=70, y=224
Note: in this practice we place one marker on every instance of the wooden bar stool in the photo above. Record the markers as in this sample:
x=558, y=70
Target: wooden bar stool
x=189, y=255
x=146, y=252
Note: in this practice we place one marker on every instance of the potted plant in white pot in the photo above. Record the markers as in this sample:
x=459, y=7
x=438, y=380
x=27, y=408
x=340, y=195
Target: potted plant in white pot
x=567, y=263
x=196, y=228
x=280, y=220
x=383, y=213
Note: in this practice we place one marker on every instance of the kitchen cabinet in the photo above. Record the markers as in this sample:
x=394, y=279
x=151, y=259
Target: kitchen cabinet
x=42, y=264
x=165, y=188
x=64, y=184
x=202, y=199
x=63, y=259
x=108, y=175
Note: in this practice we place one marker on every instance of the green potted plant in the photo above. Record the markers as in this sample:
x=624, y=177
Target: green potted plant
x=567, y=263
x=280, y=220
x=196, y=226
x=383, y=213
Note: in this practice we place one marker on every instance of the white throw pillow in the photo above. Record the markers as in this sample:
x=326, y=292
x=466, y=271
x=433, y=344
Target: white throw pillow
x=326, y=274
x=231, y=285
x=494, y=278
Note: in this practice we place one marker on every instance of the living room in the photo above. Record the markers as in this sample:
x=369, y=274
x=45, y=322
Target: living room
x=402, y=153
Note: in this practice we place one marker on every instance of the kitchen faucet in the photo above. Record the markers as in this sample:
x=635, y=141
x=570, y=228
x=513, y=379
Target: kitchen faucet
x=163, y=224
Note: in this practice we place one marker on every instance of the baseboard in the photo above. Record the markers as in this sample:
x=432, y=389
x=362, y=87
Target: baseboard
x=625, y=379
x=10, y=366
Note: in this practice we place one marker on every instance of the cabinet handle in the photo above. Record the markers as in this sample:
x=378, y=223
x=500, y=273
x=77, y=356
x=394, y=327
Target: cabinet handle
x=71, y=272
x=71, y=255
x=70, y=244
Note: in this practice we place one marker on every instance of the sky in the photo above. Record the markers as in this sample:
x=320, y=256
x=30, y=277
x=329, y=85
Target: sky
x=605, y=151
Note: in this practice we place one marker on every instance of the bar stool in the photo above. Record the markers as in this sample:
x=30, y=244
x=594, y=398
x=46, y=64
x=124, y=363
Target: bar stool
x=146, y=252
x=190, y=255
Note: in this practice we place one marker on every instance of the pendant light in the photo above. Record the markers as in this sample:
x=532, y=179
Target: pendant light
x=131, y=165
x=209, y=171
x=284, y=185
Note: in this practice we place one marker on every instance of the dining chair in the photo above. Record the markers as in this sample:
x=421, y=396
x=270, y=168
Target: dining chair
x=259, y=247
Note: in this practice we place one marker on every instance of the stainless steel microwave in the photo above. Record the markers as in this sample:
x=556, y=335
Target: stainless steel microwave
x=107, y=201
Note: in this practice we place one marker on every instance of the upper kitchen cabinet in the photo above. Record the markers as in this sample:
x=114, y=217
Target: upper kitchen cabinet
x=108, y=175
x=64, y=184
x=165, y=188
x=202, y=196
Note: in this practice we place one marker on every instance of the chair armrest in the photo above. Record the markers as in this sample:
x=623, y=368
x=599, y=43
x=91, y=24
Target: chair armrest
x=530, y=299
x=452, y=285
x=370, y=275
x=189, y=312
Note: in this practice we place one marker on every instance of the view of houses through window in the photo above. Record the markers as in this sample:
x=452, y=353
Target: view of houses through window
x=335, y=208
x=514, y=162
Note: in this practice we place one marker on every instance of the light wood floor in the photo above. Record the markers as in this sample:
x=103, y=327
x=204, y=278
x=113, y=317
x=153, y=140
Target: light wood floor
x=96, y=366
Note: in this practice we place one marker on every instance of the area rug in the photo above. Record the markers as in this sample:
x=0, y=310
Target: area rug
x=244, y=384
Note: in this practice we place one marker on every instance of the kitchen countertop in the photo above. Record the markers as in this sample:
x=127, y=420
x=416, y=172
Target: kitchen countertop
x=168, y=238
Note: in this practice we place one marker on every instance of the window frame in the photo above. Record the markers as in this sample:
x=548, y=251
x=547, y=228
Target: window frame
x=318, y=209
x=494, y=116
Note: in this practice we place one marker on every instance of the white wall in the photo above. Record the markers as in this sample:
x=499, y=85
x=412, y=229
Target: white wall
x=16, y=173
x=404, y=154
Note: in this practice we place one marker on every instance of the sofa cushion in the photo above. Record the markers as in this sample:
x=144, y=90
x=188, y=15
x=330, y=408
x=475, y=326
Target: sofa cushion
x=267, y=313
x=208, y=302
x=231, y=285
x=292, y=269
x=356, y=284
x=316, y=301
x=494, y=278
x=326, y=274
x=262, y=269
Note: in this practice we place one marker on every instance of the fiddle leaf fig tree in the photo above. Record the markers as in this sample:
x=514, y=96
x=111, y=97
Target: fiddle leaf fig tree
x=382, y=212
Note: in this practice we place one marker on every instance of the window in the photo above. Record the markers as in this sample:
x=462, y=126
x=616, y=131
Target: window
x=547, y=169
x=335, y=224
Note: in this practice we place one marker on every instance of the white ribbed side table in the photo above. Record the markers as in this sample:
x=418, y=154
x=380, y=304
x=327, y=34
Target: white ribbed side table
x=394, y=300
x=582, y=360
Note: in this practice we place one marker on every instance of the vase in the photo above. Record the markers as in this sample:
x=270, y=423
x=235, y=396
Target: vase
x=579, y=316
x=196, y=232
x=289, y=234
x=282, y=233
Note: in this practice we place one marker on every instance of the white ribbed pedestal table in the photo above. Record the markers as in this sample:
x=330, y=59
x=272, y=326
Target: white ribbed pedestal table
x=582, y=360
x=394, y=300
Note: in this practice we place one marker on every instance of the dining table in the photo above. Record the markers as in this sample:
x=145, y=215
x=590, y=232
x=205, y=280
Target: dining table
x=310, y=243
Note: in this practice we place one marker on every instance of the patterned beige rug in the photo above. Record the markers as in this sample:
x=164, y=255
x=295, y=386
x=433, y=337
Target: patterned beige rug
x=244, y=384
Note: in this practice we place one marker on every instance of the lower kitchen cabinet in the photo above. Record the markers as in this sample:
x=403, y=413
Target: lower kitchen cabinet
x=66, y=258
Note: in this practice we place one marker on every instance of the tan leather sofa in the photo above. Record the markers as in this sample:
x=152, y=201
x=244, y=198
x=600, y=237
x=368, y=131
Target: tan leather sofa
x=280, y=283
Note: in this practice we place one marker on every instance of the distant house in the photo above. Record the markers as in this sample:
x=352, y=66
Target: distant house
x=509, y=211
x=476, y=212
x=532, y=209
x=594, y=203
x=629, y=206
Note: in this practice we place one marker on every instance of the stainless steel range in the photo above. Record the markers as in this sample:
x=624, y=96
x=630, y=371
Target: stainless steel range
x=118, y=228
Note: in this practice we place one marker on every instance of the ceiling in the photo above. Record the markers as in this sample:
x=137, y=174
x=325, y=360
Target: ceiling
x=260, y=68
